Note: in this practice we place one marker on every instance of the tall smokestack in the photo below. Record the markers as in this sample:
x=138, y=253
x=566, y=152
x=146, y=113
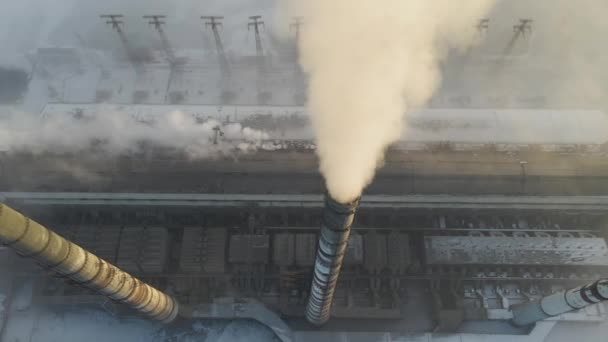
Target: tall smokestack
x=59, y=255
x=560, y=302
x=335, y=230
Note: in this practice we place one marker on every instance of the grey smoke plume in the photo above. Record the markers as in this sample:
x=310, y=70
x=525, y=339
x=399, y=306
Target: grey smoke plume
x=117, y=133
x=368, y=62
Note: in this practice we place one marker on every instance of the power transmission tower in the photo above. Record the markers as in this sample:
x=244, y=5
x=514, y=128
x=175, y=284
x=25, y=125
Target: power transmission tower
x=483, y=25
x=263, y=95
x=214, y=23
x=298, y=79
x=158, y=21
x=295, y=25
x=116, y=22
x=257, y=23
x=524, y=27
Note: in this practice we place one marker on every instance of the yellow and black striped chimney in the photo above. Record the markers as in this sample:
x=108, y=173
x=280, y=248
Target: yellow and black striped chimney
x=31, y=240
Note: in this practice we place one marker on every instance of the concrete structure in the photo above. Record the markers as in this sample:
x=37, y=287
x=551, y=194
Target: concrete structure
x=333, y=241
x=69, y=260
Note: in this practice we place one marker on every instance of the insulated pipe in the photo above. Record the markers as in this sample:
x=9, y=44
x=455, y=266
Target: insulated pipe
x=67, y=259
x=560, y=302
x=335, y=230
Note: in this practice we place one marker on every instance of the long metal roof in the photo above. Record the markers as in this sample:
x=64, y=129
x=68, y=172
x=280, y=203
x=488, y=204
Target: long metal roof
x=303, y=201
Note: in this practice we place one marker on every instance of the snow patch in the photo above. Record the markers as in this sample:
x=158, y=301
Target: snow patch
x=41, y=325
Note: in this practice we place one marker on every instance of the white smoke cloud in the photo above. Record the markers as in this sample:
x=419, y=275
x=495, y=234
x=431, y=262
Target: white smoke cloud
x=117, y=133
x=368, y=62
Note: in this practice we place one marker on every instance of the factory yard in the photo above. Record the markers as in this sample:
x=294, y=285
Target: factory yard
x=249, y=172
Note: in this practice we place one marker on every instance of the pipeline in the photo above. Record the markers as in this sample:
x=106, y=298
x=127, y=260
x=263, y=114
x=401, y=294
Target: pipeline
x=69, y=260
x=560, y=302
x=335, y=231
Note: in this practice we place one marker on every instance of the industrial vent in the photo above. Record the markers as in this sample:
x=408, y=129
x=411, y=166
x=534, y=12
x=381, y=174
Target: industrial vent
x=140, y=96
x=249, y=249
x=228, y=97
x=264, y=97
x=176, y=97
x=103, y=96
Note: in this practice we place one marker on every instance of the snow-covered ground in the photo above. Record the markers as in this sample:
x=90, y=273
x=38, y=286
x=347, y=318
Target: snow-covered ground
x=210, y=130
x=473, y=126
x=28, y=321
x=41, y=325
